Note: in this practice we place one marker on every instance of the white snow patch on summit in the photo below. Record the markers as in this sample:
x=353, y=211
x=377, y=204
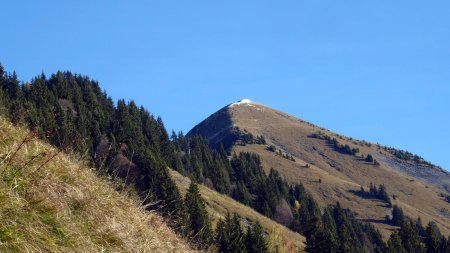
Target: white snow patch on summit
x=244, y=101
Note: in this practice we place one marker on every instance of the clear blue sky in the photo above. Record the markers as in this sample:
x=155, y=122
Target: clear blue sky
x=374, y=70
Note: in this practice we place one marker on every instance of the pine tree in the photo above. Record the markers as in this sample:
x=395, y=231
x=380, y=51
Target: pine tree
x=433, y=238
x=255, y=240
x=382, y=194
x=319, y=239
x=369, y=158
x=242, y=193
x=198, y=220
x=397, y=216
x=229, y=236
x=395, y=244
x=410, y=238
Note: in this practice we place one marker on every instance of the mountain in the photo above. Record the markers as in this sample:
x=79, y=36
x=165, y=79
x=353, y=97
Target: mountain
x=52, y=202
x=332, y=167
x=263, y=181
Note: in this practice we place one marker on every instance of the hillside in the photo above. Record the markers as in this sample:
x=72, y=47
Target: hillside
x=218, y=205
x=332, y=171
x=50, y=202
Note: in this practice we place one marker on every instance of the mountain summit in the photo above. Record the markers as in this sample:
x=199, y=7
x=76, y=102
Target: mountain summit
x=334, y=168
x=244, y=101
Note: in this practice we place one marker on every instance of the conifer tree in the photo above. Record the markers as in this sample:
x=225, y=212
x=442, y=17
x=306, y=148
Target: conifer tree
x=229, y=236
x=433, y=238
x=397, y=216
x=382, y=194
x=410, y=238
x=319, y=239
x=395, y=244
x=255, y=240
x=198, y=221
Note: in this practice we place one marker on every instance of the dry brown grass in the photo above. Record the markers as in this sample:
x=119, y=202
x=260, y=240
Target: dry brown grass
x=59, y=205
x=339, y=173
x=281, y=239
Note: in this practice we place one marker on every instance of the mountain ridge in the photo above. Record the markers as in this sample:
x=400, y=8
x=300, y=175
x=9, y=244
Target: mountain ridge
x=325, y=154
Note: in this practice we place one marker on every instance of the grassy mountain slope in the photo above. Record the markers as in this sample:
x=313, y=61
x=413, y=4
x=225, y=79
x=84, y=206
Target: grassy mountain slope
x=218, y=204
x=52, y=203
x=332, y=175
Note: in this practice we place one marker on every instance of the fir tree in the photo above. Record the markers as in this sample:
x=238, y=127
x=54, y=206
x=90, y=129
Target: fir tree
x=433, y=238
x=198, y=220
x=319, y=239
x=395, y=244
x=397, y=216
x=229, y=236
x=410, y=238
x=255, y=240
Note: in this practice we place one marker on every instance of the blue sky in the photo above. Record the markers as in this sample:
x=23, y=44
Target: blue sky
x=374, y=70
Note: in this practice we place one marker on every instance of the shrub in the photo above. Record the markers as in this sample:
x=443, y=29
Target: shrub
x=272, y=148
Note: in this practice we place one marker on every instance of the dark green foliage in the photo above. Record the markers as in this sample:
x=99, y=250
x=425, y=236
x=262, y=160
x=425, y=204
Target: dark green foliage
x=376, y=163
x=322, y=237
x=245, y=138
x=288, y=156
x=229, y=235
x=308, y=212
x=344, y=149
x=395, y=244
x=242, y=194
x=255, y=239
x=268, y=191
x=375, y=193
x=156, y=185
x=410, y=238
x=72, y=112
x=261, y=140
x=433, y=240
x=272, y=148
x=369, y=158
x=419, y=227
x=407, y=156
x=198, y=222
x=337, y=230
x=398, y=216
x=236, y=136
x=203, y=164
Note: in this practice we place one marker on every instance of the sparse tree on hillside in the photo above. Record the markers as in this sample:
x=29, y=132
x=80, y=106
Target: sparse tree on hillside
x=255, y=240
x=369, y=158
x=229, y=235
x=397, y=216
x=198, y=220
x=395, y=244
x=433, y=238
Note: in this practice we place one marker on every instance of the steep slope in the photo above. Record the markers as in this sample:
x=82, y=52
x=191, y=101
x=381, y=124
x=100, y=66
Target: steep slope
x=52, y=203
x=330, y=170
x=218, y=205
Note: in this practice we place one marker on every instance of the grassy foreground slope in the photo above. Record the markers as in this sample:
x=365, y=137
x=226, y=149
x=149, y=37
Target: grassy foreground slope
x=49, y=202
x=280, y=238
